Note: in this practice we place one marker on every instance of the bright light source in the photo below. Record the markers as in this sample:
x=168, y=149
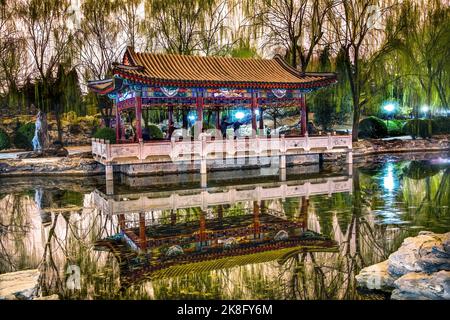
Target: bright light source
x=389, y=107
x=388, y=179
x=192, y=117
x=257, y=112
x=425, y=108
x=239, y=115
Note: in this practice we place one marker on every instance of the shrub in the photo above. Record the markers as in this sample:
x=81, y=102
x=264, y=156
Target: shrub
x=372, y=127
x=395, y=127
x=24, y=135
x=418, y=127
x=5, y=141
x=155, y=132
x=107, y=134
x=70, y=116
x=441, y=125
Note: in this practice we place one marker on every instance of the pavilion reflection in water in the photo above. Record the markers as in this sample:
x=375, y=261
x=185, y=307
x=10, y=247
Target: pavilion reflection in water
x=166, y=234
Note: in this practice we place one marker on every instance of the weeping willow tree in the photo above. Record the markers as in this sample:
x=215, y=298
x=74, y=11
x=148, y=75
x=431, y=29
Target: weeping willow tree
x=188, y=27
x=331, y=105
x=12, y=59
x=423, y=49
x=130, y=15
x=101, y=42
x=296, y=26
x=49, y=42
x=363, y=41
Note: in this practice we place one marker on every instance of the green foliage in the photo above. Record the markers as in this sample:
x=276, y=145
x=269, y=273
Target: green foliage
x=441, y=125
x=418, y=127
x=155, y=132
x=332, y=105
x=5, y=141
x=107, y=134
x=372, y=128
x=244, y=50
x=395, y=127
x=24, y=135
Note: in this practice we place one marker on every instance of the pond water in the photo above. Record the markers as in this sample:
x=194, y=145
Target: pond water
x=244, y=236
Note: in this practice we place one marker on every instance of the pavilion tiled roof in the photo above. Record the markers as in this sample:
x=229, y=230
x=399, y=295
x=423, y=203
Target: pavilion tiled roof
x=184, y=70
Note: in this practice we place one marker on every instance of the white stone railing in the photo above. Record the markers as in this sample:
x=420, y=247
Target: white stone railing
x=203, y=198
x=158, y=151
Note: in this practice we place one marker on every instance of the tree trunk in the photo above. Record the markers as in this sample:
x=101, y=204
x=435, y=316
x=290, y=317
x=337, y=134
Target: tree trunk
x=356, y=117
x=44, y=132
x=58, y=125
x=428, y=115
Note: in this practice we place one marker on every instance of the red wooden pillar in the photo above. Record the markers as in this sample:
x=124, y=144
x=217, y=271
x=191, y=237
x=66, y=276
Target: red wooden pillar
x=117, y=121
x=171, y=123
x=306, y=110
x=122, y=221
x=256, y=222
x=254, y=108
x=199, y=103
x=138, y=106
x=142, y=236
x=261, y=120
x=303, y=111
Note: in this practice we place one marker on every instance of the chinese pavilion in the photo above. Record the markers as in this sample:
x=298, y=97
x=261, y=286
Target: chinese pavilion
x=147, y=80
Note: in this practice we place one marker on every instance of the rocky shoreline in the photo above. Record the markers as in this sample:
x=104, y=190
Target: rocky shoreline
x=22, y=285
x=375, y=146
x=72, y=165
x=82, y=164
x=418, y=270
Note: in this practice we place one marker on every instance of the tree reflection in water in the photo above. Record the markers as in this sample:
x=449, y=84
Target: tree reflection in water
x=367, y=225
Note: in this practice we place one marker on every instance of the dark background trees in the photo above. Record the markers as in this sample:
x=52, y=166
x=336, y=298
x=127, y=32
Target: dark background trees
x=381, y=50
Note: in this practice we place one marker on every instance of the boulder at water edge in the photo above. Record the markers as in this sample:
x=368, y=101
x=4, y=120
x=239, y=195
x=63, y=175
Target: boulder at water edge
x=419, y=269
x=424, y=253
x=376, y=277
x=423, y=286
x=20, y=284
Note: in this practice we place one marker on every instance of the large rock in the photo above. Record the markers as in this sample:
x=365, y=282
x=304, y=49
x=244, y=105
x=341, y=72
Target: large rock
x=20, y=284
x=376, y=277
x=424, y=253
x=423, y=286
x=420, y=269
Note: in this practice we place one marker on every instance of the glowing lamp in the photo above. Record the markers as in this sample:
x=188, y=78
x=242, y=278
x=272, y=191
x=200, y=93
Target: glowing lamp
x=239, y=115
x=425, y=109
x=389, y=107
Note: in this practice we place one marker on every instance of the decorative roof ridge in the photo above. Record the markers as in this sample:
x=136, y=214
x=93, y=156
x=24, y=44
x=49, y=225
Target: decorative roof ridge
x=296, y=72
x=106, y=80
x=127, y=67
x=130, y=53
